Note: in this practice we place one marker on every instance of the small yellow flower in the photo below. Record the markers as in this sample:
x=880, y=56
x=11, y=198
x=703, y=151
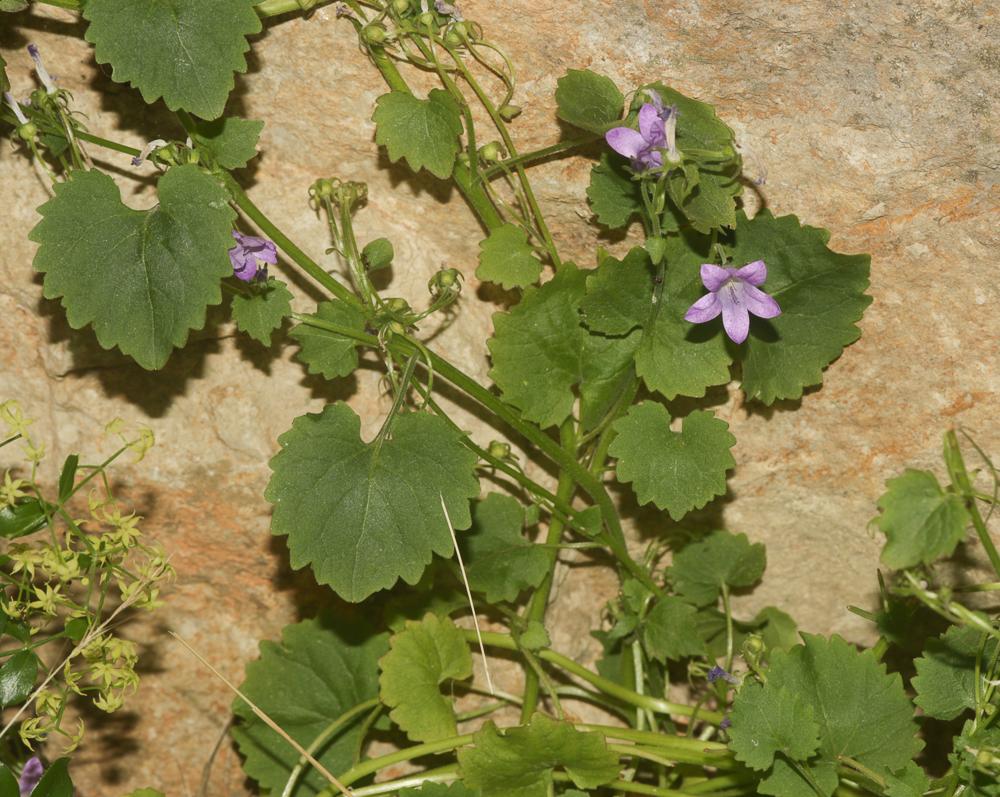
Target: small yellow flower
x=11, y=490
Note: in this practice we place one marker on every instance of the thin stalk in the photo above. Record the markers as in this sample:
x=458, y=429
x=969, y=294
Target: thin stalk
x=274, y=8
x=960, y=476
x=372, y=765
x=727, y=608
x=536, y=155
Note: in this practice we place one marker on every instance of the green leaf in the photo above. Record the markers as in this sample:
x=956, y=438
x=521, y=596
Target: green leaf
x=587, y=100
x=908, y=782
x=862, y=712
x=8, y=783
x=4, y=80
x=541, y=335
x=326, y=353
x=230, y=141
x=614, y=196
x=506, y=257
x=675, y=357
x=784, y=780
x=17, y=678
x=262, y=310
x=518, y=762
x=607, y=371
x=422, y=657
x=946, y=674
x=534, y=637
x=22, y=519
x=55, y=782
x=677, y=471
x=777, y=628
x=921, y=521
x=185, y=51
x=499, y=561
x=770, y=721
x=318, y=672
x=144, y=793
x=143, y=279
x=699, y=570
x=979, y=781
x=619, y=294
x=363, y=515
x=377, y=254
x=424, y=132
x=712, y=203
x=67, y=477
x=670, y=631
x=457, y=789
x=822, y=297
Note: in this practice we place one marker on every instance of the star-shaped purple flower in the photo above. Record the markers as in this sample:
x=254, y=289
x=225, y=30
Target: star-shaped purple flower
x=655, y=138
x=735, y=293
x=30, y=775
x=248, y=254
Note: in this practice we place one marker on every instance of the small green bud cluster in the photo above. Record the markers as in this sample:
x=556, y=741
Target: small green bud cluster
x=445, y=285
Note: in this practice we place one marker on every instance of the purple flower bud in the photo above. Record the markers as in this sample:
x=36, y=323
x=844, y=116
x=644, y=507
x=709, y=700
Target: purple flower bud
x=156, y=143
x=448, y=10
x=41, y=71
x=734, y=293
x=21, y=118
x=248, y=254
x=30, y=775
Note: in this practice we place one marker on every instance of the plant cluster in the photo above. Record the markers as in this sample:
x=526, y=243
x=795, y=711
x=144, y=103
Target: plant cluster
x=599, y=373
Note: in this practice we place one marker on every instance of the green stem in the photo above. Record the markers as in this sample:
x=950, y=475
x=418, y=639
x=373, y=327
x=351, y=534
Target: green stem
x=961, y=480
x=537, y=154
x=439, y=775
x=274, y=8
x=372, y=765
x=300, y=258
x=727, y=608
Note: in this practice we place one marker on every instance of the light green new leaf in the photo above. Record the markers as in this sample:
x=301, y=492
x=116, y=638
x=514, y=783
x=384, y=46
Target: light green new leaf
x=588, y=100
x=506, y=257
x=670, y=630
x=317, y=673
x=822, y=297
x=324, y=352
x=946, y=672
x=677, y=471
x=518, y=762
x=424, y=132
x=541, y=335
x=363, y=515
x=613, y=195
x=499, y=561
x=699, y=570
x=767, y=721
x=143, y=279
x=230, y=141
x=921, y=521
x=619, y=294
x=862, y=712
x=185, y=51
x=262, y=309
x=422, y=657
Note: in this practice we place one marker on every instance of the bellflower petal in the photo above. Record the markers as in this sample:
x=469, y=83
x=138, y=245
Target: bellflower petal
x=735, y=316
x=625, y=141
x=759, y=303
x=651, y=126
x=755, y=273
x=714, y=277
x=30, y=775
x=705, y=309
x=248, y=254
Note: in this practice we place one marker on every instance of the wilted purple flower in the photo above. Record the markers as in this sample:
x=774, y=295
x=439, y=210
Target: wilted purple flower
x=448, y=10
x=717, y=673
x=30, y=775
x=147, y=150
x=726, y=722
x=43, y=73
x=247, y=255
x=343, y=11
x=16, y=108
x=734, y=292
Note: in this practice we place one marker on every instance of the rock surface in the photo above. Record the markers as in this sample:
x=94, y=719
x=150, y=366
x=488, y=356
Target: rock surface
x=876, y=119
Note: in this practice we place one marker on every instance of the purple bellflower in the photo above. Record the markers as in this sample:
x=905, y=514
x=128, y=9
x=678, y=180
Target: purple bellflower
x=30, y=775
x=248, y=254
x=735, y=293
x=655, y=139
x=41, y=71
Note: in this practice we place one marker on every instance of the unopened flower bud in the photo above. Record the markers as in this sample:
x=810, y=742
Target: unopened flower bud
x=491, y=153
x=427, y=20
x=401, y=6
x=397, y=305
x=322, y=188
x=452, y=38
x=753, y=646
x=375, y=33
x=499, y=449
x=27, y=131
x=509, y=112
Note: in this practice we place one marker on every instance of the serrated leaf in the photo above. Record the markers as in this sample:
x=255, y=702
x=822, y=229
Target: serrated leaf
x=422, y=657
x=675, y=357
x=518, y=762
x=670, y=631
x=506, y=257
x=230, y=141
x=677, y=472
x=143, y=279
x=766, y=722
x=619, y=294
x=499, y=561
x=534, y=637
x=262, y=309
x=457, y=789
x=946, y=673
x=541, y=335
x=614, y=196
x=921, y=521
x=17, y=678
x=318, y=672
x=822, y=297
x=712, y=203
x=56, y=781
x=908, y=782
x=783, y=780
x=364, y=515
x=185, y=51
x=587, y=100
x=699, y=570
x=326, y=353
x=862, y=712
x=424, y=132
